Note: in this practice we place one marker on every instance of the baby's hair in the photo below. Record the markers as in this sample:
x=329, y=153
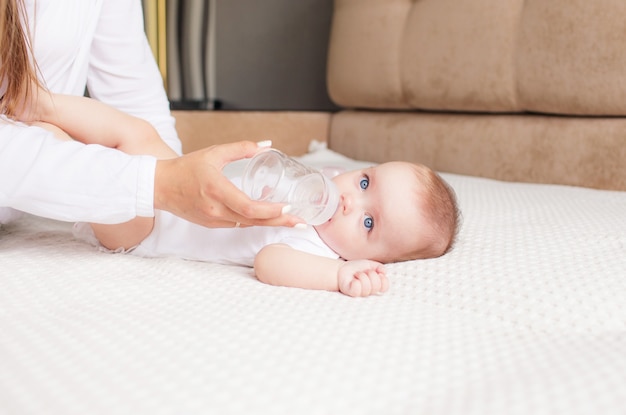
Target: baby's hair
x=439, y=206
x=17, y=71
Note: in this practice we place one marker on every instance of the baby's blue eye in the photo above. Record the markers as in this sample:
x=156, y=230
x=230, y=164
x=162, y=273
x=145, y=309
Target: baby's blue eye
x=368, y=222
x=364, y=183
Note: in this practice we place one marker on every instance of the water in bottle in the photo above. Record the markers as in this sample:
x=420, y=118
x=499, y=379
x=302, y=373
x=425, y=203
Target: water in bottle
x=273, y=176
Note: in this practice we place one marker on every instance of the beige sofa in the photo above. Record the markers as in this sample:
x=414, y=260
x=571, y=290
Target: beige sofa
x=513, y=90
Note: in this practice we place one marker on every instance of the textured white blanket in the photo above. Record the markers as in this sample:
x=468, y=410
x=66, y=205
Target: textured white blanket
x=527, y=315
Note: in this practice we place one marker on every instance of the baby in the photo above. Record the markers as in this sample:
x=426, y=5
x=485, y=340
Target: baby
x=390, y=212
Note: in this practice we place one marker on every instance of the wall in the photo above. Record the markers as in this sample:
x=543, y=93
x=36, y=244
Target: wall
x=271, y=54
x=248, y=54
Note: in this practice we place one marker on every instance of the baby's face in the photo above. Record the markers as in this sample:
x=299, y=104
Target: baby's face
x=378, y=214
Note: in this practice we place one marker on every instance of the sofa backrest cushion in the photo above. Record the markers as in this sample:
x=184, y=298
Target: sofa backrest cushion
x=557, y=56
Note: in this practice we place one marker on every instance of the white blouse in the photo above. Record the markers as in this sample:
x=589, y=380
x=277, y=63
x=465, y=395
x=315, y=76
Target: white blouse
x=99, y=44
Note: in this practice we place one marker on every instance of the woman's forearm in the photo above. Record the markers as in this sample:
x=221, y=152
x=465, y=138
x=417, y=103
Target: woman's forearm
x=70, y=181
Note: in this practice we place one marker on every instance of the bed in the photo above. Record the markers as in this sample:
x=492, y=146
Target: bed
x=527, y=315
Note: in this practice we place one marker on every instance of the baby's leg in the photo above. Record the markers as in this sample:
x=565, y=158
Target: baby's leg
x=125, y=235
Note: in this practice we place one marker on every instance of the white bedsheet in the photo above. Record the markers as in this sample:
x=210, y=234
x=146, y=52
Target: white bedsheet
x=527, y=315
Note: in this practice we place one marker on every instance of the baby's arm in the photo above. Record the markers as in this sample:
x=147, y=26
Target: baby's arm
x=92, y=122
x=279, y=264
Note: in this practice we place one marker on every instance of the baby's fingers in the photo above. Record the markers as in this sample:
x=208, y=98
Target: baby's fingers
x=382, y=282
x=352, y=288
x=366, y=283
x=375, y=281
x=362, y=278
x=378, y=282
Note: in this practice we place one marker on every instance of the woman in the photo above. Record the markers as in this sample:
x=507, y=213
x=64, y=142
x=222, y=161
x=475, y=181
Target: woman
x=100, y=45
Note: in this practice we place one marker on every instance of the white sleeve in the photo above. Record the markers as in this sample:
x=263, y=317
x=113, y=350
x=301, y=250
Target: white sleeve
x=71, y=181
x=123, y=72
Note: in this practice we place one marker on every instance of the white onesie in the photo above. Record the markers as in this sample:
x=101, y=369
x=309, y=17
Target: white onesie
x=173, y=236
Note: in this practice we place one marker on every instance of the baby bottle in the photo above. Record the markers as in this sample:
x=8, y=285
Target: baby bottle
x=272, y=176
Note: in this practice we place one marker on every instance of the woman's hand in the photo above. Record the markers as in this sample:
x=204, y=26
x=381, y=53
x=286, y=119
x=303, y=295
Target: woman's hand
x=194, y=188
x=360, y=278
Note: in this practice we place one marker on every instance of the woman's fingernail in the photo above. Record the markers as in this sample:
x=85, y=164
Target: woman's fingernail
x=285, y=209
x=264, y=143
x=300, y=226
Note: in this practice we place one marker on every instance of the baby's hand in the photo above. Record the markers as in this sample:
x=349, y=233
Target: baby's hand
x=361, y=278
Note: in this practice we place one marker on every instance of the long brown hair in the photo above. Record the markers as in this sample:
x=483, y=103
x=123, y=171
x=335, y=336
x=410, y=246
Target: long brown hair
x=17, y=68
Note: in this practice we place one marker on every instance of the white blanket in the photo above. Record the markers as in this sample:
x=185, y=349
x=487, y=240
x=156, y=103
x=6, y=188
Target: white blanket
x=527, y=315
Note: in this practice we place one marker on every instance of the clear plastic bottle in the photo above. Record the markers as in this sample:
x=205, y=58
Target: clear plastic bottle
x=273, y=176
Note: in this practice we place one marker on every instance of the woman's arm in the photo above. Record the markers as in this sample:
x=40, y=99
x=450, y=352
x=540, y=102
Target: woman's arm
x=279, y=264
x=69, y=181
x=123, y=72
